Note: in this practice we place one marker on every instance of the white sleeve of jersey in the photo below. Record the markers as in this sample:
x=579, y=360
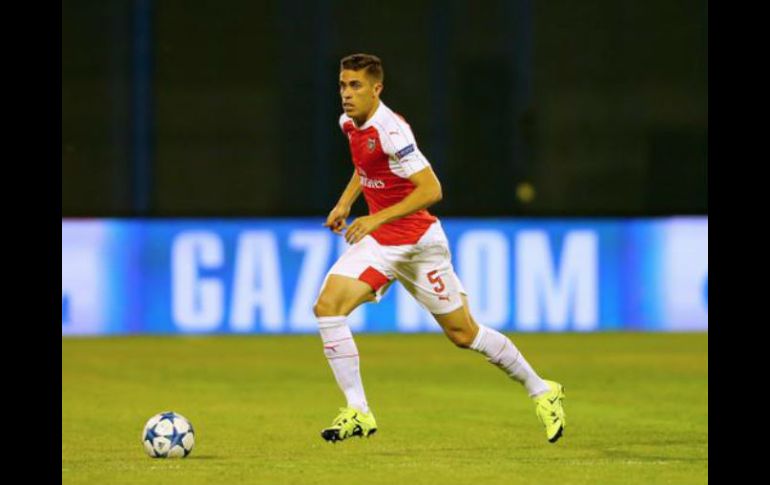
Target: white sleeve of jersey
x=399, y=144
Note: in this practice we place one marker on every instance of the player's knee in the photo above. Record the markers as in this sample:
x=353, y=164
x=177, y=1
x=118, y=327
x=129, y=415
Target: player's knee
x=326, y=307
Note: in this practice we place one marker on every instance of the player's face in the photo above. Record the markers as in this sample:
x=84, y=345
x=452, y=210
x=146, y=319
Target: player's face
x=359, y=93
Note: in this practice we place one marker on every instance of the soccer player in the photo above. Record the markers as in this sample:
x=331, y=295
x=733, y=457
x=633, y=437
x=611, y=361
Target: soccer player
x=399, y=240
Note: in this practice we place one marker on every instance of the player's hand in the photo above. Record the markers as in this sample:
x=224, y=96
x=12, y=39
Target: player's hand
x=361, y=227
x=336, y=219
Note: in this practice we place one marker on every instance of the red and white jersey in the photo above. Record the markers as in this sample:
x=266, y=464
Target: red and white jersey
x=385, y=154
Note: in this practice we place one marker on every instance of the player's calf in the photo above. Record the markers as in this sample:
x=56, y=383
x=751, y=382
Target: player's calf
x=462, y=338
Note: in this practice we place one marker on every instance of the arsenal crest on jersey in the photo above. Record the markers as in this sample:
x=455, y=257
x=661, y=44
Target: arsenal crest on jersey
x=371, y=144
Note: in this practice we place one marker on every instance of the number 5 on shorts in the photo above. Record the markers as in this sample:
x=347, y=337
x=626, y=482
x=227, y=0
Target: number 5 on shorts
x=436, y=279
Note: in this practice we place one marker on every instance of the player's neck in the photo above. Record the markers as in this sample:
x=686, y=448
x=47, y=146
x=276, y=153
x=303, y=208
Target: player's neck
x=360, y=122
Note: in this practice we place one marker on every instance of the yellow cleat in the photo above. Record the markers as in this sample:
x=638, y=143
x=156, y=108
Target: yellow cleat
x=350, y=422
x=549, y=409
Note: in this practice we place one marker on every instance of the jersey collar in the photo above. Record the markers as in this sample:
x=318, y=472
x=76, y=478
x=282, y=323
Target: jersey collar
x=371, y=120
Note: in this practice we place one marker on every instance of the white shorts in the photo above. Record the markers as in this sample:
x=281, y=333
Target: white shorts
x=425, y=269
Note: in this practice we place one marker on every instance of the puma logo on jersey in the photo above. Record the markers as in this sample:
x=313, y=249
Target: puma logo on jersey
x=445, y=298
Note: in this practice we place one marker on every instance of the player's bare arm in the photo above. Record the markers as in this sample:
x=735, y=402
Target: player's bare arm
x=427, y=192
x=337, y=217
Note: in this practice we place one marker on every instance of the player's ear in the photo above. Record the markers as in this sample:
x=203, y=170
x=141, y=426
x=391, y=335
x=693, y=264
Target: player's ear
x=378, y=88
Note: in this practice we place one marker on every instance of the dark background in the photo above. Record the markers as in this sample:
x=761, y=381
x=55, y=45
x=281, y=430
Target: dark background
x=209, y=108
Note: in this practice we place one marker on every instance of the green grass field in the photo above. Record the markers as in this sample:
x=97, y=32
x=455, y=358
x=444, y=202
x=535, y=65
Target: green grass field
x=637, y=411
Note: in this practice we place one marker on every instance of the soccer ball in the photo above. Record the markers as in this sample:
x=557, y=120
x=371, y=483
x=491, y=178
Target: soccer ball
x=168, y=435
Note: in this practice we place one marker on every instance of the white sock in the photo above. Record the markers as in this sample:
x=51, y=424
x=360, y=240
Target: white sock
x=341, y=352
x=500, y=351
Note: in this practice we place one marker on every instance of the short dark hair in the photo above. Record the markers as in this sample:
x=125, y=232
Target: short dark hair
x=372, y=64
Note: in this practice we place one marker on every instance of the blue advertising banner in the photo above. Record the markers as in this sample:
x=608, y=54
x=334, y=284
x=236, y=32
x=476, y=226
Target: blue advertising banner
x=263, y=275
